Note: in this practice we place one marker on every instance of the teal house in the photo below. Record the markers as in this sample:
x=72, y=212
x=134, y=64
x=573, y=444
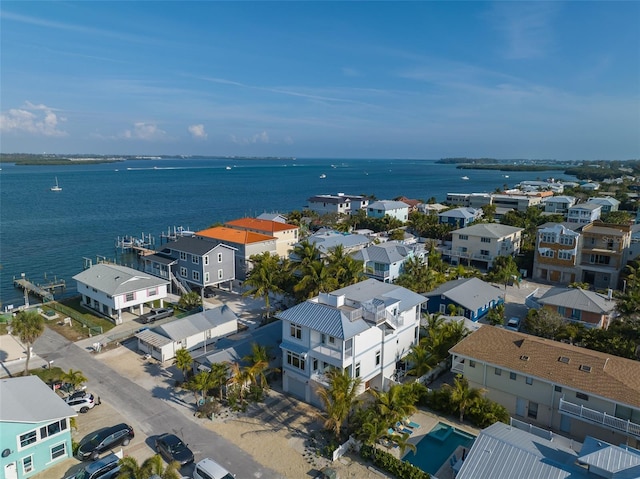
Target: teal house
x=35, y=431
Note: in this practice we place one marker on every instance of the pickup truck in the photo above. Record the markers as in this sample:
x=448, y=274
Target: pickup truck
x=156, y=314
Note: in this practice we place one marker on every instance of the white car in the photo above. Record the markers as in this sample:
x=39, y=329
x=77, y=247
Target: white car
x=210, y=469
x=82, y=401
x=513, y=324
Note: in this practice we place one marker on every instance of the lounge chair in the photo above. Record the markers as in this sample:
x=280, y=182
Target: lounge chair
x=410, y=424
x=403, y=430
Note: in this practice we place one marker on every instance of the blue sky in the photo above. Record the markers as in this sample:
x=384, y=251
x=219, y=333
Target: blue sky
x=322, y=79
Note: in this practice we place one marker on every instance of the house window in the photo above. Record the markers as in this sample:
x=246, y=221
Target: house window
x=464, y=237
x=529, y=381
x=576, y=314
x=315, y=364
x=130, y=297
x=332, y=340
x=219, y=257
x=183, y=272
x=295, y=360
x=566, y=240
x=548, y=253
x=562, y=310
x=195, y=259
x=533, y=410
x=183, y=256
x=548, y=238
x=206, y=277
x=377, y=358
x=206, y=260
x=485, y=252
x=296, y=331
x=28, y=438
x=220, y=274
x=53, y=428
x=58, y=451
x=485, y=240
x=27, y=464
x=513, y=376
x=564, y=255
x=498, y=371
x=472, y=363
x=582, y=396
x=357, y=370
x=152, y=292
x=195, y=275
x=557, y=389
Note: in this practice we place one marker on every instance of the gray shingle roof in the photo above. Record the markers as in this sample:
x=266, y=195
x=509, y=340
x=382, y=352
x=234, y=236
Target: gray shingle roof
x=459, y=213
x=576, y=298
x=328, y=239
x=387, y=205
x=195, y=245
x=470, y=293
x=325, y=319
x=383, y=253
x=490, y=230
x=27, y=399
x=114, y=279
x=196, y=323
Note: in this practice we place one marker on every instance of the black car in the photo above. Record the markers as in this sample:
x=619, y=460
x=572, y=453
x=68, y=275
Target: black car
x=171, y=448
x=103, y=440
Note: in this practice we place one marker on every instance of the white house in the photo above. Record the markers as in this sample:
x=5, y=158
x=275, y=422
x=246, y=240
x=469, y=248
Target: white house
x=111, y=289
x=608, y=203
x=199, y=330
x=558, y=204
x=385, y=261
x=395, y=209
x=584, y=213
x=365, y=329
x=337, y=204
x=483, y=242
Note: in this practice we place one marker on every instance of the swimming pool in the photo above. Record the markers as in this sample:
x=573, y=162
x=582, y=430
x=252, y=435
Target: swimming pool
x=437, y=446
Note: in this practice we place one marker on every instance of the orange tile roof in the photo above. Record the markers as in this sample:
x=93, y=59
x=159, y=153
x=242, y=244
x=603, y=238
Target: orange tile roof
x=261, y=225
x=611, y=376
x=231, y=235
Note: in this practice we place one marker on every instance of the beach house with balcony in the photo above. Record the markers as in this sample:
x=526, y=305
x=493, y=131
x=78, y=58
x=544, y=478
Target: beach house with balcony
x=557, y=253
x=584, y=213
x=366, y=329
x=111, y=289
x=482, y=243
x=558, y=204
x=573, y=390
x=603, y=253
x=460, y=217
x=35, y=425
x=394, y=209
x=608, y=203
x=286, y=234
x=339, y=204
x=385, y=261
x=588, y=308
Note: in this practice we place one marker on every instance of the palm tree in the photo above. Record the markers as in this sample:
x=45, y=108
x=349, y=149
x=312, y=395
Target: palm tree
x=200, y=383
x=263, y=279
x=258, y=365
x=344, y=267
x=503, y=271
x=28, y=326
x=183, y=361
x=338, y=399
x=75, y=378
x=463, y=396
x=396, y=403
x=420, y=359
x=219, y=375
x=239, y=378
x=303, y=254
x=130, y=469
x=317, y=278
x=190, y=301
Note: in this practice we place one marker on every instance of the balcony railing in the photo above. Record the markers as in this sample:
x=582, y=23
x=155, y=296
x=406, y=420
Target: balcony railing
x=327, y=352
x=600, y=418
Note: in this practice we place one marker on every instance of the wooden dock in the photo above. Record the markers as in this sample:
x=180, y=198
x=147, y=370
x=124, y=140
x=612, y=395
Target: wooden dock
x=42, y=291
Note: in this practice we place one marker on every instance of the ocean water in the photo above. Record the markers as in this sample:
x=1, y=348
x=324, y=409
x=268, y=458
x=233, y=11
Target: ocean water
x=46, y=234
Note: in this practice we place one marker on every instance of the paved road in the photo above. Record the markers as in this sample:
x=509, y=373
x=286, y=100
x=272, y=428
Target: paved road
x=146, y=412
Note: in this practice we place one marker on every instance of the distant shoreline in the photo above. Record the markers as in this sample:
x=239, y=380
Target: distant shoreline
x=50, y=160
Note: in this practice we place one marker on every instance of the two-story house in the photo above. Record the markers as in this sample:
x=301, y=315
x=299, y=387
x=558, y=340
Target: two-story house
x=588, y=308
x=558, y=204
x=327, y=239
x=554, y=385
x=286, y=234
x=460, y=217
x=245, y=243
x=517, y=202
x=35, y=427
x=192, y=262
x=608, y=203
x=394, y=209
x=557, y=253
x=111, y=289
x=584, y=213
x=482, y=243
x=365, y=329
x=385, y=261
x=339, y=204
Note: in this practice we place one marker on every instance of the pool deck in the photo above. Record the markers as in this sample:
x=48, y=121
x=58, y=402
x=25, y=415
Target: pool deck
x=428, y=421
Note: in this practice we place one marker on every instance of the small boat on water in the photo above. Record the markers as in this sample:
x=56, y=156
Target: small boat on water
x=465, y=177
x=323, y=175
x=228, y=168
x=56, y=187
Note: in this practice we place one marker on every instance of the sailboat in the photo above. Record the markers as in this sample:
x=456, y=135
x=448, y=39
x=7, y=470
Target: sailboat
x=56, y=187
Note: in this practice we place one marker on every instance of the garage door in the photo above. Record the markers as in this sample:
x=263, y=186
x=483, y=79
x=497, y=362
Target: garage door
x=297, y=388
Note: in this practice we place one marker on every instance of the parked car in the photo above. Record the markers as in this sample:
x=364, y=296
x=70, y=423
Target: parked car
x=513, y=324
x=106, y=468
x=155, y=314
x=100, y=441
x=171, y=448
x=82, y=401
x=210, y=469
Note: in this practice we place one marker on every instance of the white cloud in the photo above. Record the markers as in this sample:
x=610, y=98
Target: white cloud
x=144, y=131
x=197, y=131
x=35, y=119
x=262, y=137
